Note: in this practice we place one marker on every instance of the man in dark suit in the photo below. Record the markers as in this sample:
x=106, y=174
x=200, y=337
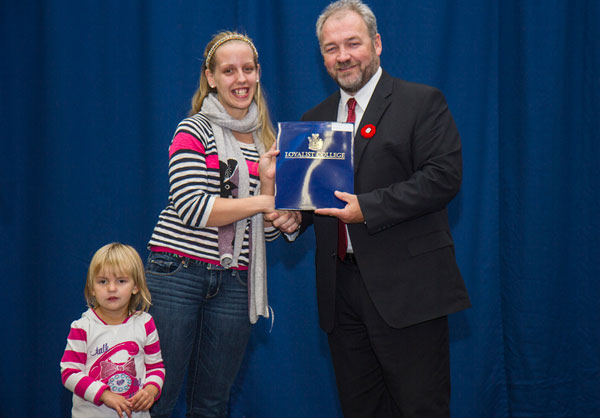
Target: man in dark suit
x=388, y=280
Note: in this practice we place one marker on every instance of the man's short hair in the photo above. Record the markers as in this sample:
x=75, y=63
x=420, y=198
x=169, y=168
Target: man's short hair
x=343, y=6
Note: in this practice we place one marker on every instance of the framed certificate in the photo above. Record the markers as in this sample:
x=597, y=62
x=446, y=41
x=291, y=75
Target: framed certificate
x=315, y=159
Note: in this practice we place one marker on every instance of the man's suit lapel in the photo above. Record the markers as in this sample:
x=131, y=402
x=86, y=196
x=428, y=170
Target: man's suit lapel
x=380, y=100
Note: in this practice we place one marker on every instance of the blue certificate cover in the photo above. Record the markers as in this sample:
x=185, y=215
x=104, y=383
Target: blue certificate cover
x=315, y=159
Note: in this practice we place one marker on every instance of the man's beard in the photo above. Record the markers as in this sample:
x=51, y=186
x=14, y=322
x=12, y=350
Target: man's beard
x=353, y=85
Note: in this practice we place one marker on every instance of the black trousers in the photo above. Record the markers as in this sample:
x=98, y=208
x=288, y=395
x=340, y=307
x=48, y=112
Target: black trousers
x=383, y=371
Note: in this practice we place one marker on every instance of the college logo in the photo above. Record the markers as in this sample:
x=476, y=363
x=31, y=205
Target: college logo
x=315, y=142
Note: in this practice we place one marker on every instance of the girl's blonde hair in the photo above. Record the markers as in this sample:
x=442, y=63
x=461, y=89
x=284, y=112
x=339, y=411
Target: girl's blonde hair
x=119, y=259
x=267, y=133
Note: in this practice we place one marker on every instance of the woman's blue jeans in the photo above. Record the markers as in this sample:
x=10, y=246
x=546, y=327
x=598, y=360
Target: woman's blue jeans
x=201, y=314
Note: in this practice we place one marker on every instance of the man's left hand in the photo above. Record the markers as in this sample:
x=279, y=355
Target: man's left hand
x=351, y=214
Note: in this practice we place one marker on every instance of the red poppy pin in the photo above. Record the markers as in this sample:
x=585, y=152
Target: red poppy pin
x=368, y=131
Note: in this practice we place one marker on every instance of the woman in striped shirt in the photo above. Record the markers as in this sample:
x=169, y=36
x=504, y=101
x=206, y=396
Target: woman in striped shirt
x=207, y=266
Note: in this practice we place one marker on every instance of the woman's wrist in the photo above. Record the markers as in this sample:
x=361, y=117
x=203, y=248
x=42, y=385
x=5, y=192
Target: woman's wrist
x=268, y=191
x=267, y=187
x=266, y=202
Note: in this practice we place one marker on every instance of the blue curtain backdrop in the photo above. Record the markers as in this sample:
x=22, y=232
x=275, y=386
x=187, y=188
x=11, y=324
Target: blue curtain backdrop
x=91, y=92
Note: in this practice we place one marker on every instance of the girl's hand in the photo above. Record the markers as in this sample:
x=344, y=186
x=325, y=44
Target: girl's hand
x=116, y=402
x=144, y=398
x=266, y=170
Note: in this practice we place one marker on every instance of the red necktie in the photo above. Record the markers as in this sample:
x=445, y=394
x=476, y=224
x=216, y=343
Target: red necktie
x=342, y=238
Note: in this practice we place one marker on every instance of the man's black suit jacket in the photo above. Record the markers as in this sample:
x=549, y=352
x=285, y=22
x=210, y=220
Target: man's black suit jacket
x=404, y=176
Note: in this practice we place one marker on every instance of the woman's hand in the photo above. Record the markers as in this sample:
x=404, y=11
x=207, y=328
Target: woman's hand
x=287, y=221
x=266, y=170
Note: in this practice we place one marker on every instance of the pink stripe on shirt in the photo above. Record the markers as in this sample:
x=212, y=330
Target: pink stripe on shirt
x=152, y=348
x=71, y=356
x=154, y=366
x=212, y=161
x=150, y=327
x=77, y=334
x=252, y=168
x=183, y=140
x=82, y=386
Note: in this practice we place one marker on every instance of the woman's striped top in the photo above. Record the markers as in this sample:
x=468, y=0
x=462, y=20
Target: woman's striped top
x=194, y=184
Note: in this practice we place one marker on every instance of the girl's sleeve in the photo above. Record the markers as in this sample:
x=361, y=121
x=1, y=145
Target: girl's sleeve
x=72, y=366
x=155, y=369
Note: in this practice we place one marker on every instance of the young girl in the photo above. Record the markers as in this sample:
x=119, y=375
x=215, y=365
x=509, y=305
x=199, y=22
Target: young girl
x=112, y=361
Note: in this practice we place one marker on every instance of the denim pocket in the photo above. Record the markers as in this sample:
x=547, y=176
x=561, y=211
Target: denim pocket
x=161, y=264
x=242, y=277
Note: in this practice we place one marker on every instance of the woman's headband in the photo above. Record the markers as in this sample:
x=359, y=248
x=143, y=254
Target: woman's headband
x=229, y=38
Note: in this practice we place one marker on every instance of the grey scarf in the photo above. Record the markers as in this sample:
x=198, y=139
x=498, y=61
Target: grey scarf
x=231, y=236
